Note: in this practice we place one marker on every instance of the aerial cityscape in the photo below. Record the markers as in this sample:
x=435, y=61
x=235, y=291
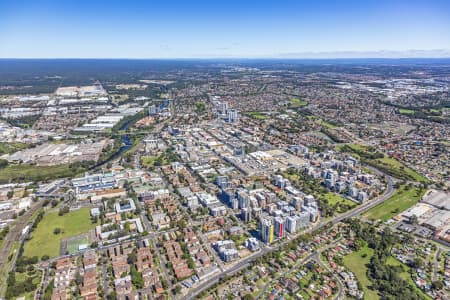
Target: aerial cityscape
x=320, y=173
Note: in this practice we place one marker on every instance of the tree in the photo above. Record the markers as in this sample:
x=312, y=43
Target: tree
x=177, y=289
x=418, y=263
x=413, y=220
x=437, y=285
x=63, y=210
x=136, y=278
x=45, y=257
x=57, y=230
x=112, y=296
x=127, y=226
x=3, y=163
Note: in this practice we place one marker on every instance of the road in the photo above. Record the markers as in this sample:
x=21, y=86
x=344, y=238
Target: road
x=105, y=280
x=202, y=237
x=390, y=190
x=152, y=234
x=436, y=264
x=313, y=256
x=340, y=294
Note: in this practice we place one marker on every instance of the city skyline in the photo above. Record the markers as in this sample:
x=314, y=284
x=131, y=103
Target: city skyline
x=349, y=29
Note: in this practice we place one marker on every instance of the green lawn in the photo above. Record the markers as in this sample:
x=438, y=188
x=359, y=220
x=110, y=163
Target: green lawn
x=357, y=147
x=400, y=201
x=321, y=122
x=44, y=242
x=356, y=263
x=325, y=124
x=23, y=173
x=256, y=115
x=334, y=199
x=405, y=111
x=398, y=166
x=148, y=161
x=152, y=161
x=297, y=102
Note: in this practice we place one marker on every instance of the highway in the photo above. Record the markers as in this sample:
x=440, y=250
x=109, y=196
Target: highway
x=390, y=190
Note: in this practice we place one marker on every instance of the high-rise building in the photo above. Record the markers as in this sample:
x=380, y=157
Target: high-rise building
x=246, y=215
x=223, y=108
x=223, y=182
x=152, y=110
x=267, y=230
x=291, y=224
x=234, y=203
x=232, y=115
x=243, y=198
x=279, y=227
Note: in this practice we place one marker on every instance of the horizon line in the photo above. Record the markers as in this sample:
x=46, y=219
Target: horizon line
x=223, y=58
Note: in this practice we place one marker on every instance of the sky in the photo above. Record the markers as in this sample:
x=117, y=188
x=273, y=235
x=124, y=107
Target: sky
x=224, y=29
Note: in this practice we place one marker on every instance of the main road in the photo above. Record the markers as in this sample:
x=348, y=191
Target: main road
x=390, y=190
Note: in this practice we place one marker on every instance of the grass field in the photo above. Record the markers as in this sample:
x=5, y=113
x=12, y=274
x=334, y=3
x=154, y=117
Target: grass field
x=44, y=242
x=355, y=147
x=398, y=166
x=356, y=262
x=321, y=122
x=335, y=199
x=16, y=173
x=12, y=147
x=325, y=124
x=297, y=102
x=256, y=115
x=400, y=201
x=148, y=161
x=152, y=161
x=72, y=246
x=405, y=111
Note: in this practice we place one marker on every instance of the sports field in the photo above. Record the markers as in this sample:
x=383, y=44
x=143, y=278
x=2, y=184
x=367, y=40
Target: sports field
x=45, y=242
x=73, y=244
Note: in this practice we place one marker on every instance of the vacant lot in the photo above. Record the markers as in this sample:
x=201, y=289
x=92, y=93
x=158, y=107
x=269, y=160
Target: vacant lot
x=402, y=200
x=45, y=242
x=16, y=173
x=356, y=262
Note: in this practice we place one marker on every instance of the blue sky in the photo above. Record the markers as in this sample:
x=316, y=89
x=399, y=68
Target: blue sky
x=214, y=28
